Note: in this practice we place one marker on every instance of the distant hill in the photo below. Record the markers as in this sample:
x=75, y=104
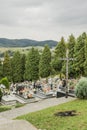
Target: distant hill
x=4, y=42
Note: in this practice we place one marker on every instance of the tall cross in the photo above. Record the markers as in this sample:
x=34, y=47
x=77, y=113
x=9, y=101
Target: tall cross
x=67, y=59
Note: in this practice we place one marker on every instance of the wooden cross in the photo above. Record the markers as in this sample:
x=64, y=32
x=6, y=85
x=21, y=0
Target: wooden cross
x=67, y=59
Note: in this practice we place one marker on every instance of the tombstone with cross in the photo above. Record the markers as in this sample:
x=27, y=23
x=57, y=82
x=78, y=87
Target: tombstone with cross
x=67, y=59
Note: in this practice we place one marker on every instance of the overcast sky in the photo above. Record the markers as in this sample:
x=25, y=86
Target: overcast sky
x=42, y=19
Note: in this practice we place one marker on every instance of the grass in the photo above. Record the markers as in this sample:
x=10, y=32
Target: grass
x=6, y=108
x=19, y=105
x=46, y=120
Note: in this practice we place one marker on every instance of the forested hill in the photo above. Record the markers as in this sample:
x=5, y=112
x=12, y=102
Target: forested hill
x=4, y=42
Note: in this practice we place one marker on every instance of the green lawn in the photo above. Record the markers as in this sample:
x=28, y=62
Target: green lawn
x=46, y=120
x=6, y=108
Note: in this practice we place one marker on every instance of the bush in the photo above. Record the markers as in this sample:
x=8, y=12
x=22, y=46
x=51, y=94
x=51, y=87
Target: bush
x=5, y=82
x=81, y=88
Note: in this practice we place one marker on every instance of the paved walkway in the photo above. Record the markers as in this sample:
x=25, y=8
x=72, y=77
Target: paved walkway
x=6, y=117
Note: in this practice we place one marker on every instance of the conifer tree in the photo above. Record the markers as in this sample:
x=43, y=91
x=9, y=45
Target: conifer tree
x=45, y=63
x=1, y=70
x=71, y=46
x=7, y=66
x=85, y=64
x=60, y=52
x=23, y=61
x=16, y=67
x=80, y=55
x=32, y=65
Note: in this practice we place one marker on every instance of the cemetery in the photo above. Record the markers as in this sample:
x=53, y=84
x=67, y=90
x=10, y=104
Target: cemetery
x=40, y=80
x=28, y=92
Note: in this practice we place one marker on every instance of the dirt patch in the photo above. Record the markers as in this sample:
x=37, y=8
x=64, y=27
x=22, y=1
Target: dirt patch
x=66, y=113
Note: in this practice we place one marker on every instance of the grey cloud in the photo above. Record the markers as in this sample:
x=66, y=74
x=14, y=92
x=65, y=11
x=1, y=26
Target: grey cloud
x=71, y=13
x=55, y=15
x=28, y=3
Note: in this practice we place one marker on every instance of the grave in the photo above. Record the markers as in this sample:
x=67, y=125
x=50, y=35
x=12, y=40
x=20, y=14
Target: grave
x=60, y=94
x=26, y=100
x=43, y=95
x=63, y=93
x=8, y=100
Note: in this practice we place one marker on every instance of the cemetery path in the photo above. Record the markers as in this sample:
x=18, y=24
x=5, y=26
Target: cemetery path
x=7, y=116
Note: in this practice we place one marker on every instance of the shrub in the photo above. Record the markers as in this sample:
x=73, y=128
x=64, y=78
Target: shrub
x=81, y=88
x=5, y=82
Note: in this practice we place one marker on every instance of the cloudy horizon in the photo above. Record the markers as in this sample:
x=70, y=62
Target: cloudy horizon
x=42, y=20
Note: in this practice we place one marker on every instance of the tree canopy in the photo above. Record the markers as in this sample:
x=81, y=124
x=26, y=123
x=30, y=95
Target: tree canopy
x=45, y=62
x=32, y=65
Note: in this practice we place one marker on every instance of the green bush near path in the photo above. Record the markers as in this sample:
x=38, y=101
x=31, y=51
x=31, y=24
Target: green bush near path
x=81, y=88
x=46, y=119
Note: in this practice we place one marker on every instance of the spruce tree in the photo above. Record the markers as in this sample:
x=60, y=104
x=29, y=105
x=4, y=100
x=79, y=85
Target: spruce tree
x=85, y=64
x=1, y=70
x=32, y=65
x=45, y=63
x=7, y=66
x=71, y=45
x=16, y=67
x=80, y=55
x=23, y=61
x=60, y=52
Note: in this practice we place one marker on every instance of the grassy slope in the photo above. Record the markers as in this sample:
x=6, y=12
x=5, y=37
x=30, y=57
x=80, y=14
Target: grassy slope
x=46, y=119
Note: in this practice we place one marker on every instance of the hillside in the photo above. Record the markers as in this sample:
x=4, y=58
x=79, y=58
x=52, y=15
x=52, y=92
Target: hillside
x=4, y=42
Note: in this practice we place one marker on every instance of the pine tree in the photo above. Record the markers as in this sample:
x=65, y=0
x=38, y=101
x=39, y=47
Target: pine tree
x=7, y=66
x=32, y=65
x=60, y=52
x=16, y=67
x=71, y=45
x=45, y=62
